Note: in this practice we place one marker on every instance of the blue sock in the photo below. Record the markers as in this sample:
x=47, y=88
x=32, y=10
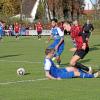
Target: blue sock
x=86, y=75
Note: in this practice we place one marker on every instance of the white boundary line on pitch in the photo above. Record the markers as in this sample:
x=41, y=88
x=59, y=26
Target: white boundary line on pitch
x=23, y=81
x=18, y=61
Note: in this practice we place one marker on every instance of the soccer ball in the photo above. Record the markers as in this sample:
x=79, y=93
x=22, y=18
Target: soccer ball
x=20, y=71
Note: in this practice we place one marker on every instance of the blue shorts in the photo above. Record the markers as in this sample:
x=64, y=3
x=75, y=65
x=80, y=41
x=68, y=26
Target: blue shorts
x=60, y=49
x=65, y=74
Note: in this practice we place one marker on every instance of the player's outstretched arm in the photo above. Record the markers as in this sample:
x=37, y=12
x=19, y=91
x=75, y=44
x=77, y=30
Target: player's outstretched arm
x=49, y=38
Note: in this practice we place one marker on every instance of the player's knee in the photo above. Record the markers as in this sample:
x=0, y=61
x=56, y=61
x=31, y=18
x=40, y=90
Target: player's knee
x=69, y=69
x=72, y=63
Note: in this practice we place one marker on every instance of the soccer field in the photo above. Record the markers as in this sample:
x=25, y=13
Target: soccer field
x=28, y=52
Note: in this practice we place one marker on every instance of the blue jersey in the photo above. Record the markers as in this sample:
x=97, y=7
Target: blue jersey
x=57, y=33
x=50, y=66
x=56, y=72
x=1, y=29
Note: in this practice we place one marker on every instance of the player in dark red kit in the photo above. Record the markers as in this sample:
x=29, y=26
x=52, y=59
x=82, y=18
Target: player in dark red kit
x=82, y=47
x=16, y=30
x=39, y=29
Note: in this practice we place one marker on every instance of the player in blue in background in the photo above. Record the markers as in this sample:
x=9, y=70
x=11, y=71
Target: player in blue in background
x=1, y=30
x=53, y=72
x=58, y=37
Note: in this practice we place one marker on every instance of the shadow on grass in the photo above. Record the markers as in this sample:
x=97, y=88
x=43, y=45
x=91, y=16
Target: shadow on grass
x=8, y=56
x=64, y=65
x=27, y=73
x=67, y=64
x=93, y=48
x=96, y=45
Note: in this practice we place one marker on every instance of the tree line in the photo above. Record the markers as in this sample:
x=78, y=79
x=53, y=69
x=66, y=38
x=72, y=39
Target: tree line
x=61, y=9
x=69, y=9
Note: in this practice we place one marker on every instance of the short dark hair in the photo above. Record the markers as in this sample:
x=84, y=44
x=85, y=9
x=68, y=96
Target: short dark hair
x=54, y=19
x=48, y=50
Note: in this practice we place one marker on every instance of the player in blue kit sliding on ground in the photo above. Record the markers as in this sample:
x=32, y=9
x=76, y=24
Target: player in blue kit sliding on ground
x=53, y=72
x=58, y=37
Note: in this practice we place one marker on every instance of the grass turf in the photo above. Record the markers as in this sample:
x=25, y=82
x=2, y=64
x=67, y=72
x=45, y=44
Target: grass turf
x=28, y=52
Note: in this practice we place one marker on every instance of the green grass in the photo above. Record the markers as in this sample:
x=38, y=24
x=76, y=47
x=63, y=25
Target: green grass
x=30, y=50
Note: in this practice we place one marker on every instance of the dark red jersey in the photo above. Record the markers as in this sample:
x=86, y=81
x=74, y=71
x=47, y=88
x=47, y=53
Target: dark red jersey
x=16, y=28
x=75, y=34
x=39, y=27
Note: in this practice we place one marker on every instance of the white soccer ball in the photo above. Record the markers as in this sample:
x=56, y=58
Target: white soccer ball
x=20, y=71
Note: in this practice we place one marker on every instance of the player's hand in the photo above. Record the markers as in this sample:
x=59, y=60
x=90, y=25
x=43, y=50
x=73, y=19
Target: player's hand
x=84, y=46
x=87, y=39
x=83, y=32
x=56, y=48
x=73, y=49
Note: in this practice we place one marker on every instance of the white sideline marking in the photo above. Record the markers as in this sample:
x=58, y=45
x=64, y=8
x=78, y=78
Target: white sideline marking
x=18, y=61
x=23, y=81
